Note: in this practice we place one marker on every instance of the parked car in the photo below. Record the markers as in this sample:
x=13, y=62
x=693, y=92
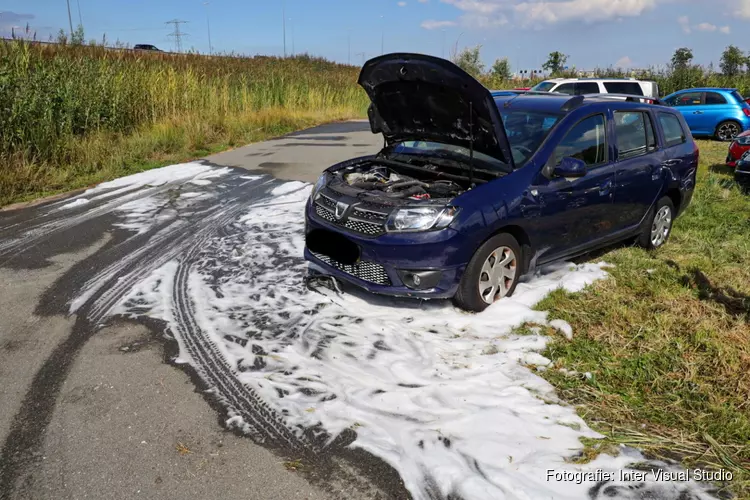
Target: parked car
x=581, y=86
x=470, y=193
x=742, y=172
x=738, y=147
x=717, y=112
x=143, y=46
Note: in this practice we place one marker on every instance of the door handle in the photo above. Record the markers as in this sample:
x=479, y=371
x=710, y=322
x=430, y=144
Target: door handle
x=671, y=163
x=605, y=188
x=697, y=112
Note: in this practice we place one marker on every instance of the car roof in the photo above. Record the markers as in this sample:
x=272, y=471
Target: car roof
x=553, y=103
x=707, y=89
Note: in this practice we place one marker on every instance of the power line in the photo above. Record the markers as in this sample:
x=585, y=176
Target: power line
x=177, y=34
x=70, y=19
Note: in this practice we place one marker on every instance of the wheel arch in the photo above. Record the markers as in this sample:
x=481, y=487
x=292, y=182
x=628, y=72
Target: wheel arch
x=727, y=120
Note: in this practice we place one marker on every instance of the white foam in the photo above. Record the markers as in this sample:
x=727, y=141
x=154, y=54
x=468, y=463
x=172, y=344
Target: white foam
x=75, y=203
x=441, y=395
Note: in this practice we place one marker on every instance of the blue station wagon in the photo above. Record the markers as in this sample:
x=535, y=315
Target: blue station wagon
x=717, y=112
x=471, y=192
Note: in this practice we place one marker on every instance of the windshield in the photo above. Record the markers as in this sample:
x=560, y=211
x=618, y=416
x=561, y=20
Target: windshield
x=438, y=149
x=526, y=130
x=543, y=87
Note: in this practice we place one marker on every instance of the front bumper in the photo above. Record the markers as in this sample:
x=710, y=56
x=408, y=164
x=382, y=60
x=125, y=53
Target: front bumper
x=742, y=177
x=385, y=260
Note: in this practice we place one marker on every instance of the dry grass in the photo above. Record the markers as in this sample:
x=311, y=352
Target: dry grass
x=667, y=336
x=73, y=115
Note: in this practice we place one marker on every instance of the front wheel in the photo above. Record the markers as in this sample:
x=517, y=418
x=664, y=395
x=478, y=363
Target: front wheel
x=657, y=232
x=728, y=130
x=493, y=273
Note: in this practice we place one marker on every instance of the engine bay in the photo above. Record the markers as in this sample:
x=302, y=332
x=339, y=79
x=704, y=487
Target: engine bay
x=384, y=181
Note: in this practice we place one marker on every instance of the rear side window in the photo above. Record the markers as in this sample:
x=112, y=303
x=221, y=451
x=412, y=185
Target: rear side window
x=631, y=88
x=587, y=88
x=673, y=133
x=586, y=141
x=715, y=98
x=543, y=87
x=566, y=88
x=635, y=134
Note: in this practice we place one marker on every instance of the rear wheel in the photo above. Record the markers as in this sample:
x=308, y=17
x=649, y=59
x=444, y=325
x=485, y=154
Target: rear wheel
x=657, y=232
x=493, y=273
x=728, y=130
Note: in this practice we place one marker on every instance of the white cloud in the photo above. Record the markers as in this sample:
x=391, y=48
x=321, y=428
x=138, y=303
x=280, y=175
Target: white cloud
x=624, y=62
x=684, y=22
x=743, y=8
x=401, y=4
x=706, y=27
x=544, y=12
x=432, y=24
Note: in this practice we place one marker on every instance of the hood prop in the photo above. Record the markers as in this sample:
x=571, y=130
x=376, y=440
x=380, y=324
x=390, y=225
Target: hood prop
x=471, y=144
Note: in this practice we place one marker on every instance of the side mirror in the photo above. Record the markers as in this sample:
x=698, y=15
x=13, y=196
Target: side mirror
x=570, y=167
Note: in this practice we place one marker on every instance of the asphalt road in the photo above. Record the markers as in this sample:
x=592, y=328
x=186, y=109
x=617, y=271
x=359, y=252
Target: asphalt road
x=94, y=409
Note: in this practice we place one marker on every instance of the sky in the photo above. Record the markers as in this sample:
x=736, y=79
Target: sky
x=593, y=33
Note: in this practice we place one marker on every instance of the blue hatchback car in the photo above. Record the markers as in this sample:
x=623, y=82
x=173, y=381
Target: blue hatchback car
x=471, y=192
x=717, y=112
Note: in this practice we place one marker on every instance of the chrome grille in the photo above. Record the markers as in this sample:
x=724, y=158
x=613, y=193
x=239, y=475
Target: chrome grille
x=359, y=219
x=325, y=214
x=327, y=202
x=367, y=271
x=362, y=213
x=364, y=227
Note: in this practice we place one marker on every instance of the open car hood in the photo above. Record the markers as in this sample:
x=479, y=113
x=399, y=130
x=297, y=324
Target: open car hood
x=420, y=97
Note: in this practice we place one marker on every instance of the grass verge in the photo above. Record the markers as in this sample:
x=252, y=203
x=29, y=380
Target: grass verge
x=667, y=337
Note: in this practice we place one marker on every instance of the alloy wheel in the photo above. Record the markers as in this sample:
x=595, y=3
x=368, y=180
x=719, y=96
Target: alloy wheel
x=728, y=131
x=497, y=274
x=661, y=226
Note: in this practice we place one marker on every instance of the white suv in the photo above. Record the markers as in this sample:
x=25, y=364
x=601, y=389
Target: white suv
x=578, y=86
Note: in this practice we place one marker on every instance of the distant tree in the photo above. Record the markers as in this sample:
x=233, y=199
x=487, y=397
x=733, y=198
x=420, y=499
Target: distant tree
x=501, y=69
x=78, y=37
x=62, y=38
x=555, y=62
x=733, y=61
x=682, y=58
x=470, y=60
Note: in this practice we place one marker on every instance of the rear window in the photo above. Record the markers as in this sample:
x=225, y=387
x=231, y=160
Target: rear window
x=673, y=133
x=543, y=87
x=631, y=88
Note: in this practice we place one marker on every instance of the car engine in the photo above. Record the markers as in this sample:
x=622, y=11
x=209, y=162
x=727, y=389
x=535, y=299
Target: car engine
x=386, y=182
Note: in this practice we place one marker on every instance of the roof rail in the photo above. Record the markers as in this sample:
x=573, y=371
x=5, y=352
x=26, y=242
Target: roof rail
x=629, y=97
x=577, y=100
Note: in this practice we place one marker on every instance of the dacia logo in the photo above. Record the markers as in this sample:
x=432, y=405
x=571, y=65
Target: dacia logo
x=340, y=209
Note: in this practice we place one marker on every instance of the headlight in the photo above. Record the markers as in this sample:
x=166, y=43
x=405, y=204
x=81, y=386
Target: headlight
x=421, y=218
x=318, y=185
x=743, y=141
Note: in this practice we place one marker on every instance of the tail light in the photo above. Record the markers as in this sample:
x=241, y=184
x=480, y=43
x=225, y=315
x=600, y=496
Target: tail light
x=746, y=111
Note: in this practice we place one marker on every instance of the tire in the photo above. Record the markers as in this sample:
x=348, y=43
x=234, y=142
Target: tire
x=656, y=233
x=498, y=249
x=727, y=130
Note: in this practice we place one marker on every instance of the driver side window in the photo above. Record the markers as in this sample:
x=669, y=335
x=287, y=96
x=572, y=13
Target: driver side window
x=586, y=141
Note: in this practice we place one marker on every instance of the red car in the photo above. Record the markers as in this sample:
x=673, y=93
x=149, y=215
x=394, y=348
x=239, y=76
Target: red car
x=738, y=147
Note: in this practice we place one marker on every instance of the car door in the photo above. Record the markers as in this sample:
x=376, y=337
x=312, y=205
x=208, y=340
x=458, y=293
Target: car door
x=715, y=110
x=690, y=105
x=573, y=212
x=638, y=160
